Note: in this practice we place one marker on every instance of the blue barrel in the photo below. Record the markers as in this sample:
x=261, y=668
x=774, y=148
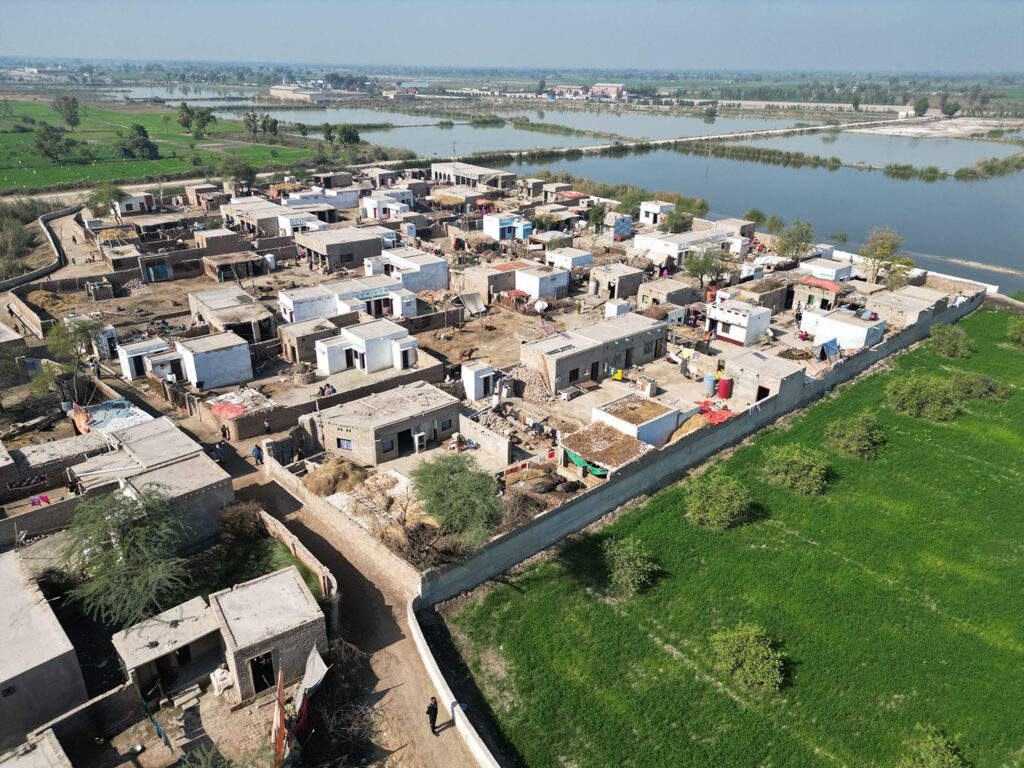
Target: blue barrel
x=710, y=384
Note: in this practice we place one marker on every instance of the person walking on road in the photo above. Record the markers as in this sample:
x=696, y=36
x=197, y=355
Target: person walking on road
x=257, y=454
x=432, y=715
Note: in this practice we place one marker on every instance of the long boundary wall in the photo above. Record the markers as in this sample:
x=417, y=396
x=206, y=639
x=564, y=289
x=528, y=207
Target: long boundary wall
x=59, y=258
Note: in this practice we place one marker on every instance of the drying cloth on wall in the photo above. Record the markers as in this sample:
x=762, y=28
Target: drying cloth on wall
x=595, y=470
x=715, y=416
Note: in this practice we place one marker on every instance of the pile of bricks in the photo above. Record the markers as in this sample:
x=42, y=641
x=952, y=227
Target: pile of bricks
x=535, y=391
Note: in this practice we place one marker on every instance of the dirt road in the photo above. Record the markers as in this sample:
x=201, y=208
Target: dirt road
x=374, y=618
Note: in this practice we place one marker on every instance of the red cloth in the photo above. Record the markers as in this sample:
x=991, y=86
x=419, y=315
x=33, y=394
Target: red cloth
x=714, y=416
x=228, y=410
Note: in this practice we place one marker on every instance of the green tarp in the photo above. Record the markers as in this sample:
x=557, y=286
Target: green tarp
x=579, y=462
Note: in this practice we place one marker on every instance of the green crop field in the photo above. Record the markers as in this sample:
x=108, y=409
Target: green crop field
x=19, y=167
x=896, y=597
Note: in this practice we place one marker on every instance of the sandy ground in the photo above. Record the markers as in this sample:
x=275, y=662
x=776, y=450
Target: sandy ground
x=957, y=128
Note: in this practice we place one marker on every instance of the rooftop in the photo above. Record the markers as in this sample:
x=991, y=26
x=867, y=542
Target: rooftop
x=264, y=607
x=212, y=343
x=29, y=456
x=157, y=636
x=30, y=634
x=374, y=329
x=615, y=270
x=635, y=409
x=741, y=308
x=570, y=252
x=133, y=348
x=304, y=327
x=218, y=232
x=401, y=403
x=770, y=365
x=921, y=293
x=156, y=442
x=846, y=316
x=185, y=476
x=224, y=296
x=114, y=415
x=239, y=257
x=598, y=443
x=332, y=236
x=828, y=285
x=511, y=266
x=614, y=328
x=45, y=752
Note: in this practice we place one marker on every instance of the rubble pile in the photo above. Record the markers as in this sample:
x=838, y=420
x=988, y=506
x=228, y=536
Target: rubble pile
x=535, y=391
x=135, y=284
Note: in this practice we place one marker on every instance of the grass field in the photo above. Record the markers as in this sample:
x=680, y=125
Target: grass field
x=896, y=596
x=19, y=167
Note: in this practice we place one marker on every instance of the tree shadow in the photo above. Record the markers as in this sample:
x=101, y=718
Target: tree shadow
x=756, y=513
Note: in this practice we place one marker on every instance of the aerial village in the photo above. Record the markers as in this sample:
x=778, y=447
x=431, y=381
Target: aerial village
x=367, y=323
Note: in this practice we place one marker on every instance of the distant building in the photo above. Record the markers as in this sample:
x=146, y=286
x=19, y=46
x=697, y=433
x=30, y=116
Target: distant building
x=652, y=211
x=607, y=90
x=334, y=249
x=473, y=176
x=506, y=226
x=133, y=205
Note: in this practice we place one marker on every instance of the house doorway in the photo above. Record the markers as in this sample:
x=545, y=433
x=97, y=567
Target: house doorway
x=138, y=366
x=762, y=393
x=406, y=444
x=262, y=669
x=629, y=358
x=594, y=370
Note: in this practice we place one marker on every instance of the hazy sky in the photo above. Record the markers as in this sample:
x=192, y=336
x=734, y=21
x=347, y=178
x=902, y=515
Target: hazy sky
x=877, y=36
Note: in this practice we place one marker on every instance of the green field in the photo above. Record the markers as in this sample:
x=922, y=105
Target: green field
x=896, y=596
x=19, y=167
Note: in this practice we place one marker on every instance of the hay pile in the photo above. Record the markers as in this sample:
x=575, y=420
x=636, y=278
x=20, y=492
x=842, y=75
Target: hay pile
x=49, y=300
x=692, y=424
x=336, y=476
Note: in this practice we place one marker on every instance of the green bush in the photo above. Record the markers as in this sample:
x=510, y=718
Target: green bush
x=716, y=500
x=796, y=468
x=1015, y=331
x=924, y=397
x=630, y=567
x=746, y=652
x=461, y=497
x=977, y=386
x=950, y=342
x=861, y=436
x=933, y=749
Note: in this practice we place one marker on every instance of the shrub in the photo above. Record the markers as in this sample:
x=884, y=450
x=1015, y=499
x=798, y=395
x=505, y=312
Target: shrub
x=977, y=386
x=950, y=342
x=924, y=397
x=241, y=521
x=716, y=500
x=932, y=749
x=461, y=497
x=861, y=436
x=746, y=652
x=630, y=567
x=1015, y=332
x=796, y=468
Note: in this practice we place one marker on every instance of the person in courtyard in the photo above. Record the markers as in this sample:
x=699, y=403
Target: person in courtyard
x=257, y=454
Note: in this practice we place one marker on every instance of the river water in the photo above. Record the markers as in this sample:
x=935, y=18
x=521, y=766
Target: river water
x=949, y=219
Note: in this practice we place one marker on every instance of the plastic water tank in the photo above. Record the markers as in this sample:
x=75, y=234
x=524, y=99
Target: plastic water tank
x=709, y=384
x=725, y=387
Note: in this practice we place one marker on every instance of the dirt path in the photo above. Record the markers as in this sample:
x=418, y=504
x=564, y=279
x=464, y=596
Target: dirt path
x=374, y=618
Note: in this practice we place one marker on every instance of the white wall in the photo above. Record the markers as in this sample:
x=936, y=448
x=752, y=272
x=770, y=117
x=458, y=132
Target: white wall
x=547, y=285
x=564, y=261
x=219, y=367
x=157, y=345
x=849, y=335
x=330, y=355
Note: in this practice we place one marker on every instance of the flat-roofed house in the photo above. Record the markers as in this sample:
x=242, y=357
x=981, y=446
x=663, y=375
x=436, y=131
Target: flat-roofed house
x=338, y=248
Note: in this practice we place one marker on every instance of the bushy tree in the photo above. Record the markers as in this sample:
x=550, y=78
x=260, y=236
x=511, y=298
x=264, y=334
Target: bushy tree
x=201, y=118
x=347, y=134
x=774, y=224
x=950, y=341
x=676, y=222
x=327, y=131
x=882, y=250
x=746, y=653
x=68, y=108
x=923, y=396
x=596, y=218
x=104, y=196
x=51, y=143
x=795, y=240
x=127, y=551
x=461, y=497
x=921, y=106
x=755, y=215
x=930, y=748
x=861, y=436
x=977, y=386
x=630, y=567
x=716, y=500
x=185, y=116
x=704, y=265
x=1015, y=332
x=796, y=468
x=136, y=145
x=950, y=108
x=303, y=129
x=238, y=171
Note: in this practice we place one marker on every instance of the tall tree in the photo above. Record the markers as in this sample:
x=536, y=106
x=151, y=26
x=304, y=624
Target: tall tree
x=303, y=129
x=596, y=218
x=347, y=134
x=541, y=86
x=104, y=196
x=774, y=224
x=795, y=240
x=67, y=108
x=950, y=108
x=185, y=115
x=238, y=171
x=921, y=106
x=51, y=143
x=201, y=118
x=327, y=130
x=251, y=121
x=882, y=252
x=126, y=549
x=704, y=266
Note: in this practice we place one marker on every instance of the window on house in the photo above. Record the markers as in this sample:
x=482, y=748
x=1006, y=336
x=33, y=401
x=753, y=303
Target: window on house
x=344, y=444
x=446, y=425
x=7, y=692
x=127, y=206
x=724, y=328
x=387, y=446
x=574, y=375
x=648, y=347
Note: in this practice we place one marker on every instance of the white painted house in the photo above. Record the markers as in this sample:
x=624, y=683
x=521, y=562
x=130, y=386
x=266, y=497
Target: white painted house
x=738, y=322
x=653, y=211
x=377, y=295
x=372, y=346
x=133, y=354
x=827, y=269
x=543, y=282
x=567, y=258
x=418, y=271
x=848, y=330
x=217, y=360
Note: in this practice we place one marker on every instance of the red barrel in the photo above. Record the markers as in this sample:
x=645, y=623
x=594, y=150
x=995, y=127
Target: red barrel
x=724, y=387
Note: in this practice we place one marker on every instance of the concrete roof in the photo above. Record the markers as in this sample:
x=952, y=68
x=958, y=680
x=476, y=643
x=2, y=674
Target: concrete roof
x=263, y=608
x=30, y=634
x=155, y=219
x=114, y=415
x=635, y=409
x=156, y=442
x=541, y=270
x=663, y=284
x=741, y=308
x=138, y=347
x=864, y=287
x=921, y=293
x=821, y=263
x=845, y=316
x=769, y=365
x=601, y=444
x=378, y=231
x=374, y=329
x=224, y=296
x=239, y=257
x=29, y=456
x=614, y=328
x=510, y=266
x=212, y=343
x=414, y=255
x=181, y=477
x=304, y=327
x=401, y=403
x=157, y=636
x=218, y=232
x=571, y=252
x=45, y=752
x=332, y=236
x=615, y=270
